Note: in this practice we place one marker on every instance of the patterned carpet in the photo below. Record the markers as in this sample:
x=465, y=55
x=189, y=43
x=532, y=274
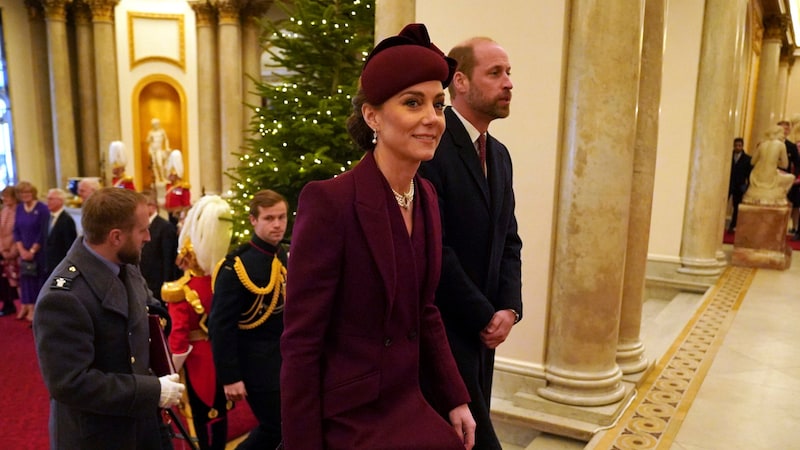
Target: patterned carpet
x=664, y=398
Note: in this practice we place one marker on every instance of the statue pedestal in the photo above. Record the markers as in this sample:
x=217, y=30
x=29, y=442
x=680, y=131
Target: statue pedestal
x=761, y=237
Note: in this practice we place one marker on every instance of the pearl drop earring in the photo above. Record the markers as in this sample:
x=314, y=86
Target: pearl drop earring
x=374, y=137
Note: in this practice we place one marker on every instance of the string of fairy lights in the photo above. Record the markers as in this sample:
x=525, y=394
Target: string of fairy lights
x=288, y=95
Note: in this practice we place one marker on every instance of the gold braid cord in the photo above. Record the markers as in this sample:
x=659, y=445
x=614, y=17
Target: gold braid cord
x=256, y=315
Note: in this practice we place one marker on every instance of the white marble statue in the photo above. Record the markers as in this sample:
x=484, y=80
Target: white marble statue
x=158, y=145
x=768, y=184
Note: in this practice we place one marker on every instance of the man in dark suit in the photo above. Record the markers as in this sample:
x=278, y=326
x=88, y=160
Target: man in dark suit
x=60, y=231
x=740, y=178
x=480, y=293
x=158, y=255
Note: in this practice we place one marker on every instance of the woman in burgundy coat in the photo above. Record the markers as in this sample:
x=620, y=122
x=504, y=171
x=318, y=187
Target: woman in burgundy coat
x=360, y=323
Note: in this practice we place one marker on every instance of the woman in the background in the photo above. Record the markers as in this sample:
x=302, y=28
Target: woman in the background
x=30, y=232
x=9, y=281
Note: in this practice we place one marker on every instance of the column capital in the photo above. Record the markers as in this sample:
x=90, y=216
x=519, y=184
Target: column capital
x=103, y=10
x=55, y=9
x=82, y=12
x=255, y=10
x=35, y=10
x=775, y=26
x=228, y=11
x=204, y=14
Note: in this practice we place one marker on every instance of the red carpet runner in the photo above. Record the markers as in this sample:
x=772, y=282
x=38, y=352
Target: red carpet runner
x=24, y=402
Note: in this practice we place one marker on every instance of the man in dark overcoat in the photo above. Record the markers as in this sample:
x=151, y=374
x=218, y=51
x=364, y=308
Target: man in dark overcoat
x=92, y=334
x=61, y=231
x=158, y=255
x=740, y=178
x=480, y=293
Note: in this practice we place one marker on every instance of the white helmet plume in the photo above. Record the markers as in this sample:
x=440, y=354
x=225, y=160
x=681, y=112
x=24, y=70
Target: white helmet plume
x=208, y=226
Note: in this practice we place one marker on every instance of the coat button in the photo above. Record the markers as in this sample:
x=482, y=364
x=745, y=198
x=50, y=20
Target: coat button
x=133, y=360
x=387, y=342
x=412, y=335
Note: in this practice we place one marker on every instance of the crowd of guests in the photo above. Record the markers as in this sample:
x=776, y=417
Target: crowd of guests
x=786, y=134
x=404, y=277
x=34, y=237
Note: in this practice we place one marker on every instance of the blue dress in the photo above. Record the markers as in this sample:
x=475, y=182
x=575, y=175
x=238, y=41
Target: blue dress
x=29, y=228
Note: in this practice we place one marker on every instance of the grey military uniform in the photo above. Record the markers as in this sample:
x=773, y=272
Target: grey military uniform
x=92, y=341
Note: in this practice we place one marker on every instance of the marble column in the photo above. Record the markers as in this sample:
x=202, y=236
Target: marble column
x=42, y=97
x=87, y=96
x=251, y=60
x=66, y=156
x=594, y=205
x=765, y=113
x=208, y=100
x=783, y=88
x=392, y=15
x=105, y=58
x=711, y=140
x=230, y=82
x=630, y=349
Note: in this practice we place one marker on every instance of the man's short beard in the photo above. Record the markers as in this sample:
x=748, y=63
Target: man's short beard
x=129, y=256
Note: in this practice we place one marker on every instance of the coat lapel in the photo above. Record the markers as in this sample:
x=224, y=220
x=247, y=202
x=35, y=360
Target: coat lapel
x=495, y=177
x=373, y=216
x=466, y=152
x=104, y=284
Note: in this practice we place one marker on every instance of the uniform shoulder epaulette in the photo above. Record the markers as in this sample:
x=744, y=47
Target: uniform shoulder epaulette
x=179, y=290
x=64, y=278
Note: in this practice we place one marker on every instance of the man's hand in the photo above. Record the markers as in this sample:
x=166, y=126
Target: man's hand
x=498, y=328
x=235, y=392
x=462, y=421
x=171, y=391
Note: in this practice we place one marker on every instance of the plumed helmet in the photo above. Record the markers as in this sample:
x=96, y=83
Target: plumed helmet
x=116, y=155
x=175, y=163
x=208, y=227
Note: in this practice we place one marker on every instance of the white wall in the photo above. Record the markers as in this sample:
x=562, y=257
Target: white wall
x=678, y=91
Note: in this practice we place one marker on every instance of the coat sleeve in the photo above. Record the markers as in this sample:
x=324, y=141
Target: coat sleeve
x=223, y=323
x=313, y=275
x=64, y=335
x=510, y=283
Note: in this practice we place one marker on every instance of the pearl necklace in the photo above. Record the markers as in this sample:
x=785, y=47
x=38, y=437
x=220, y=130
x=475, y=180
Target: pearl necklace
x=404, y=200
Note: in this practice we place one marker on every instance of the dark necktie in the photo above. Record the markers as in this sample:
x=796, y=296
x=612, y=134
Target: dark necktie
x=482, y=151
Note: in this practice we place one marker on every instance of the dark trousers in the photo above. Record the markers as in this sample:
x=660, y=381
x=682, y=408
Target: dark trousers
x=266, y=406
x=737, y=198
x=7, y=295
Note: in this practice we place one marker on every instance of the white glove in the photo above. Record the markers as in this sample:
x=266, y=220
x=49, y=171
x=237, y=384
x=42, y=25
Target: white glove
x=179, y=358
x=171, y=391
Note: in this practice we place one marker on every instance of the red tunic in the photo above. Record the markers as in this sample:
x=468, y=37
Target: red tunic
x=185, y=320
x=124, y=182
x=178, y=197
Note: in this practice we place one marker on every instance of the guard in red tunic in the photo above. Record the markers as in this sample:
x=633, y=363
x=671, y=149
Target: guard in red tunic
x=203, y=242
x=118, y=161
x=179, y=196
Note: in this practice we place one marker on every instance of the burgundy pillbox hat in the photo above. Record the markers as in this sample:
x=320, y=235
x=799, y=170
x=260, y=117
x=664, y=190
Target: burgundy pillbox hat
x=404, y=60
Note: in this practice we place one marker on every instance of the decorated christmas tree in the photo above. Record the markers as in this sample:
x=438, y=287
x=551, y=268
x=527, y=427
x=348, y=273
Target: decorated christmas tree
x=300, y=133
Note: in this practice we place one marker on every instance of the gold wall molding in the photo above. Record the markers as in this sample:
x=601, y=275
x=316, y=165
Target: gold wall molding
x=146, y=27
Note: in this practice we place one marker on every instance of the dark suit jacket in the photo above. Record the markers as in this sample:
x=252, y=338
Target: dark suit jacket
x=740, y=175
x=59, y=239
x=92, y=341
x=158, y=255
x=481, y=268
x=793, y=156
x=343, y=354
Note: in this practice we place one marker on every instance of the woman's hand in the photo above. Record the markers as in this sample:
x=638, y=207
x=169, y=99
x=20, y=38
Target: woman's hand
x=462, y=421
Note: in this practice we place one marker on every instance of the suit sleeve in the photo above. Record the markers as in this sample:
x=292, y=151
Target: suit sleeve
x=313, y=275
x=223, y=323
x=169, y=250
x=510, y=282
